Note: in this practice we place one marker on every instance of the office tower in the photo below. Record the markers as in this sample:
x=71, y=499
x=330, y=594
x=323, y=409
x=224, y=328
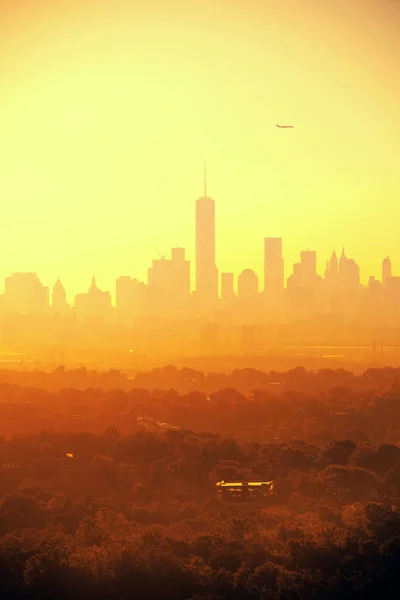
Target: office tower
x=59, y=303
x=177, y=254
x=25, y=295
x=308, y=261
x=349, y=272
x=373, y=285
x=171, y=276
x=206, y=270
x=169, y=284
x=247, y=284
x=371, y=306
x=391, y=299
x=295, y=279
x=95, y=305
x=273, y=267
x=127, y=302
x=333, y=266
x=227, y=293
x=386, y=270
x=248, y=305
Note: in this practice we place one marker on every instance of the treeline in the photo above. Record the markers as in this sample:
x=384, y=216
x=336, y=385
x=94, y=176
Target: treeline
x=138, y=516
x=185, y=380
x=110, y=492
x=364, y=410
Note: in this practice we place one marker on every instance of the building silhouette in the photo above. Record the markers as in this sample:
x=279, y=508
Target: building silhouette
x=93, y=307
x=295, y=279
x=165, y=305
x=304, y=294
x=25, y=295
x=308, y=262
x=59, y=302
x=349, y=273
x=248, y=299
x=129, y=299
x=332, y=269
x=391, y=301
x=273, y=269
x=373, y=300
x=386, y=270
x=206, y=269
x=247, y=284
x=169, y=285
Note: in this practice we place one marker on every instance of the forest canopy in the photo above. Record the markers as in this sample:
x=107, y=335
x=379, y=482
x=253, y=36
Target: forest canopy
x=110, y=492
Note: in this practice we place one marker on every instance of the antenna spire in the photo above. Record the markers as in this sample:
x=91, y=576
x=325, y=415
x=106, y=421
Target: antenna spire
x=205, y=180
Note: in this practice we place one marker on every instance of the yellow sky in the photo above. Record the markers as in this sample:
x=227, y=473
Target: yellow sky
x=108, y=110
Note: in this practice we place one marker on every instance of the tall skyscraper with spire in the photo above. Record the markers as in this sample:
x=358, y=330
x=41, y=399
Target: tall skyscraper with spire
x=206, y=270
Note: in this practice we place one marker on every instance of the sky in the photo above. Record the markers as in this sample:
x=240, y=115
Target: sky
x=108, y=110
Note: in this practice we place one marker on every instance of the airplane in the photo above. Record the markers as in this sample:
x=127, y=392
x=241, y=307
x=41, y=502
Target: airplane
x=285, y=126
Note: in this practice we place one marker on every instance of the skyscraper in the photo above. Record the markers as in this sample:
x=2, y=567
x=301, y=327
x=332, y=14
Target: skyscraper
x=334, y=266
x=95, y=306
x=349, y=272
x=206, y=270
x=169, y=285
x=386, y=270
x=171, y=276
x=273, y=267
x=247, y=284
x=308, y=261
x=127, y=299
x=25, y=295
x=59, y=300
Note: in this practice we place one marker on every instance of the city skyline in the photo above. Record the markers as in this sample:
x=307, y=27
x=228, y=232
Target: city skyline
x=210, y=280
x=99, y=164
x=243, y=310
x=275, y=275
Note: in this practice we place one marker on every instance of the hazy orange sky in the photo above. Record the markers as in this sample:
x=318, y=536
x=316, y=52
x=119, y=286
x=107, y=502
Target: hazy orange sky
x=108, y=110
